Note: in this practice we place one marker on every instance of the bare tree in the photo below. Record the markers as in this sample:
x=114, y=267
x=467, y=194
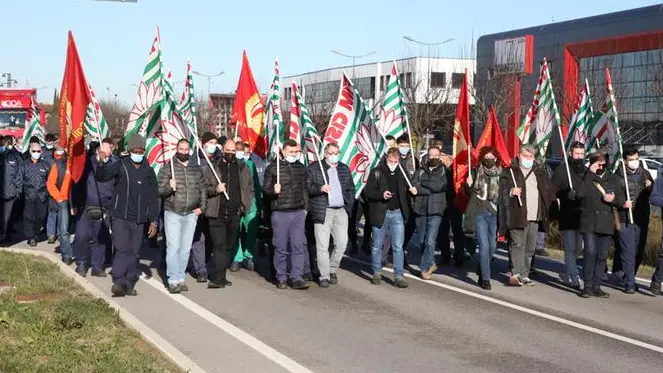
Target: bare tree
x=117, y=116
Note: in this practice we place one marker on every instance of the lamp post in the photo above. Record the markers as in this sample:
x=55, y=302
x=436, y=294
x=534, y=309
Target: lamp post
x=353, y=57
x=209, y=79
x=428, y=45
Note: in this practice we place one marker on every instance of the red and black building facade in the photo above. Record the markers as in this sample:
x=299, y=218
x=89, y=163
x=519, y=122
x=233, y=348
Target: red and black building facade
x=630, y=43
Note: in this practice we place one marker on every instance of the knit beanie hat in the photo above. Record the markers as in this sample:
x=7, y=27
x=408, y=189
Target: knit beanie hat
x=207, y=136
x=136, y=141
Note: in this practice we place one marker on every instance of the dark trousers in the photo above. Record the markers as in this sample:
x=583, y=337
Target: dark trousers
x=288, y=232
x=311, y=265
x=34, y=213
x=6, y=205
x=127, y=238
x=198, y=258
x=632, y=241
x=452, y=219
x=596, y=253
x=657, y=277
x=91, y=242
x=359, y=210
x=223, y=234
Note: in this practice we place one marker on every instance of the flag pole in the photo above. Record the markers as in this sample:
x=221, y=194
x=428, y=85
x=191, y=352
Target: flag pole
x=209, y=163
x=317, y=153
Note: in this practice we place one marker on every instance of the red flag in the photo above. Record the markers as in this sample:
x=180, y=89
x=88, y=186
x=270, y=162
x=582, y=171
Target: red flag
x=249, y=111
x=492, y=136
x=462, y=146
x=74, y=101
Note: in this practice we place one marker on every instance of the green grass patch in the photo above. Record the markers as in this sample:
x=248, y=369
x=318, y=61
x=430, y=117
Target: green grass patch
x=64, y=329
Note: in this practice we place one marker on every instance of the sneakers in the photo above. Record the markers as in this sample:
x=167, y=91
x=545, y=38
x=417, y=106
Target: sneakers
x=174, y=289
x=281, y=285
x=400, y=283
x=515, y=280
x=68, y=261
x=324, y=283
x=99, y=273
x=485, y=285
x=527, y=282
x=333, y=278
x=249, y=264
x=201, y=278
x=300, y=285
x=587, y=293
x=118, y=290
x=655, y=288
x=82, y=271
x=235, y=267
x=51, y=240
x=602, y=294
x=32, y=242
x=183, y=287
x=629, y=291
x=377, y=279
x=219, y=285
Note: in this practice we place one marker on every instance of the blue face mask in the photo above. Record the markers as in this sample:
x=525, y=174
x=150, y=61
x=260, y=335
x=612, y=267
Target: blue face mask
x=527, y=163
x=2, y=149
x=404, y=151
x=35, y=156
x=49, y=146
x=240, y=155
x=333, y=159
x=137, y=158
x=211, y=149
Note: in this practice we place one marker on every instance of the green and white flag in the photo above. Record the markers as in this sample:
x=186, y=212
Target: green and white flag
x=579, y=124
x=309, y=134
x=155, y=114
x=605, y=133
x=542, y=116
x=187, y=106
x=273, y=118
x=96, y=126
x=33, y=127
x=353, y=128
x=392, y=118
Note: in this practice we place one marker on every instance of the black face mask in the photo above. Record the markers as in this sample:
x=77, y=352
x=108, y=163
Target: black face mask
x=229, y=157
x=578, y=164
x=434, y=162
x=488, y=163
x=182, y=157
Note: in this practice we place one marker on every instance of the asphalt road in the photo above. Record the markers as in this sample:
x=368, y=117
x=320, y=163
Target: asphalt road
x=359, y=327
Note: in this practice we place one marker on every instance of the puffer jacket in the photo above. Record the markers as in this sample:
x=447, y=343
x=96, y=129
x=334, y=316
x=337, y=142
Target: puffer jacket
x=374, y=190
x=214, y=198
x=35, y=175
x=598, y=215
x=190, y=192
x=431, y=198
x=12, y=163
x=320, y=200
x=511, y=215
x=294, y=188
x=569, y=204
x=639, y=194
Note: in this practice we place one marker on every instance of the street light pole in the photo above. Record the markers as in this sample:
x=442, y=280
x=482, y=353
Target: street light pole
x=353, y=57
x=428, y=45
x=209, y=79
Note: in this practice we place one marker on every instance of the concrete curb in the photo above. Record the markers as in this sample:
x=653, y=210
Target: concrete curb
x=149, y=335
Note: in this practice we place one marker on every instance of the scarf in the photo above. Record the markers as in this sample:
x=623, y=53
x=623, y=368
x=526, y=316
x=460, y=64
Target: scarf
x=487, y=185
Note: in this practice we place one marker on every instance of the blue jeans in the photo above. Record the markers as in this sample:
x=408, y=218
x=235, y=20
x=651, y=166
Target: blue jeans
x=51, y=223
x=486, y=232
x=63, y=229
x=427, y=228
x=393, y=222
x=596, y=253
x=572, y=243
x=179, y=231
x=658, y=274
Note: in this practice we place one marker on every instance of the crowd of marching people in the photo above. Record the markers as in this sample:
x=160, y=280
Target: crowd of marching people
x=210, y=201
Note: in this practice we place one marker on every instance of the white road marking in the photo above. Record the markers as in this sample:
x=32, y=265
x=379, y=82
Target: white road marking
x=242, y=336
x=529, y=311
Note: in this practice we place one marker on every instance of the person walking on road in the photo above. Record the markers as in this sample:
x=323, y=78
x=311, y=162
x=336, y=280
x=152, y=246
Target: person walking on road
x=389, y=209
x=58, y=185
x=332, y=199
x=35, y=173
x=182, y=187
x=135, y=202
x=227, y=202
x=12, y=184
x=285, y=185
x=656, y=199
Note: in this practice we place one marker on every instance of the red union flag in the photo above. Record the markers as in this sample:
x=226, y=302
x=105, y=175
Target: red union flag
x=492, y=136
x=461, y=146
x=74, y=101
x=248, y=111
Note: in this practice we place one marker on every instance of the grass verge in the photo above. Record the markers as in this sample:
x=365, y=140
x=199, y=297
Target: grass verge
x=48, y=324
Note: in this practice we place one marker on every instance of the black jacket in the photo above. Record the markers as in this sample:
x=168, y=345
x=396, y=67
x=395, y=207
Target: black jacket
x=319, y=201
x=376, y=185
x=598, y=215
x=136, y=195
x=191, y=190
x=294, y=188
x=35, y=175
x=639, y=194
x=11, y=162
x=431, y=198
x=511, y=214
x=569, y=203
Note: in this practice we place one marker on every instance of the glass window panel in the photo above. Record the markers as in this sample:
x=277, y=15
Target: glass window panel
x=654, y=56
x=584, y=64
x=640, y=58
x=639, y=89
x=627, y=59
x=639, y=73
x=625, y=105
x=615, y=61
x=651, y=106
x=651, y=117
x=627, y=73
x=637, y=118
x=638, y=105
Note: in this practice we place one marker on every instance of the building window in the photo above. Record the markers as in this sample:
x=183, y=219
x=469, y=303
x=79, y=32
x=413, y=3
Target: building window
x=457, y=80
x=438, y=80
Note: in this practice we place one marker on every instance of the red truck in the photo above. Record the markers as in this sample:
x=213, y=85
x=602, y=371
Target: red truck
x=15, y=104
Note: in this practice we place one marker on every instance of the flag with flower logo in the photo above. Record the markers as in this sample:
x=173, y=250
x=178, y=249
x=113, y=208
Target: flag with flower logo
x=353, y=128
x=95, y=123
x=33, y=127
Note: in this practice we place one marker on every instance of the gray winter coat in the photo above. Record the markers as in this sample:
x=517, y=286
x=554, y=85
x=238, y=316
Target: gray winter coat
x=190, y=192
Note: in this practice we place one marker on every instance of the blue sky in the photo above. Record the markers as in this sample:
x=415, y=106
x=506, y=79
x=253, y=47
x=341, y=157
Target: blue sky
x=114, y=39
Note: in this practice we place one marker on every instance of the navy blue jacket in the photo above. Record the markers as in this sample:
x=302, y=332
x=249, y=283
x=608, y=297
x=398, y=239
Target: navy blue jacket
x=136, y=196
x=319, y=200
x=11, y=162
x=89, y=190
x=35, y=175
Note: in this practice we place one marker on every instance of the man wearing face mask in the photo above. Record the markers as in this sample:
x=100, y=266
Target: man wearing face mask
x=48, y=150
x=570, y=211
x=184, y=200
x=524, y=210
x=12, y=183
x=389, y=208
x=135, y=202
x=288, y=195
x=227, y=202
x=35, y=174
x=332, y=198
x=248, y=224
x=59, y=186
x=633, y=236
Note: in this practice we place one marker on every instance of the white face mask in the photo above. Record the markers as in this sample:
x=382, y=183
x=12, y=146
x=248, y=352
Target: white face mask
x=392, y=166
x=633, y=165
